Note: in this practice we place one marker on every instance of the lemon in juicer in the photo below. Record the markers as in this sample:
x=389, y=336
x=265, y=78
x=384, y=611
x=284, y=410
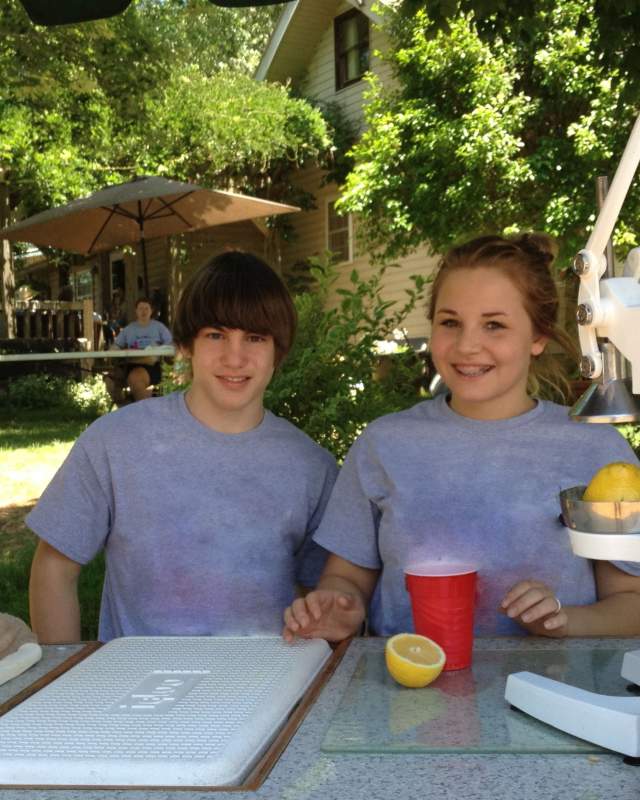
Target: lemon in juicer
x=615, y=483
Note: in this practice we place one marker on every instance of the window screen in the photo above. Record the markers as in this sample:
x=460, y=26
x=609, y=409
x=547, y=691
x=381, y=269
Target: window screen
x=339, y=234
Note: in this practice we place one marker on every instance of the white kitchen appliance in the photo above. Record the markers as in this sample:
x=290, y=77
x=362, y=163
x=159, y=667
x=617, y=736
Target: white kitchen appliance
x=159, y=711
x=607, y=720
x=609, y=327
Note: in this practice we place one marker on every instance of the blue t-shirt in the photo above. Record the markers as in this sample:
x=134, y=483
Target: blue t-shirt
x=427, y=485
x=204, y=532
x=137, y=336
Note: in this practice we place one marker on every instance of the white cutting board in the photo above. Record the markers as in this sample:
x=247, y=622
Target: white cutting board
x=159, y=711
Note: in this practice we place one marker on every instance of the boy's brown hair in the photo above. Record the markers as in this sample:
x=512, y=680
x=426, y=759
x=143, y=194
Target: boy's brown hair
x=236, y=290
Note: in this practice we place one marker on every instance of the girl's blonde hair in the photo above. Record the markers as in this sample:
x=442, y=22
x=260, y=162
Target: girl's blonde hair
x=526, y=260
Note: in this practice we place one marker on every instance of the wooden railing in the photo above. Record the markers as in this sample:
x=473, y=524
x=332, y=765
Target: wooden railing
x=57, y=319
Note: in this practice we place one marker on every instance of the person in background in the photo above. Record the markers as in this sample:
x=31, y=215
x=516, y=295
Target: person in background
x=474, y=474
x=116, y=319
x=143, y=373
x=203, y=501
x=66, y=293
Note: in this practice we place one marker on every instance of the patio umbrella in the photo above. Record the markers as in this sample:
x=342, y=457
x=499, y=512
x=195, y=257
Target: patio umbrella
x=144, y=208
x=65, y=12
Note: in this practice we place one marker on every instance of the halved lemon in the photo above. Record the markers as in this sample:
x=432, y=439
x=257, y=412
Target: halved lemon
x=412, y=660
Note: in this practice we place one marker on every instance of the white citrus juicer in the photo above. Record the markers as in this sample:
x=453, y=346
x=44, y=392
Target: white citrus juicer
x=608, y=318
x=609, y=531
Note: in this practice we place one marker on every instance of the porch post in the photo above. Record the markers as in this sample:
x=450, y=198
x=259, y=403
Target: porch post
x=7, y=280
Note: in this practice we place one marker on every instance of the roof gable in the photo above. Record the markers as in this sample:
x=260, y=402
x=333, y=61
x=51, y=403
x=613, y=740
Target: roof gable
x=297, y=34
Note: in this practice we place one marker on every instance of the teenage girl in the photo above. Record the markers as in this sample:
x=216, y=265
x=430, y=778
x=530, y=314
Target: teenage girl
x=474, y=475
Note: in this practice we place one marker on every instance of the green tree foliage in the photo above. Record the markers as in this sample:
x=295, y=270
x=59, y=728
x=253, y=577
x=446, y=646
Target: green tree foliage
x=72, y=398
x=502, y=116
x=161, y=88
x=261, y=130
x=618, y=24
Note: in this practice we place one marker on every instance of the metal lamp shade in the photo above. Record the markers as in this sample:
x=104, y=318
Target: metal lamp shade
x=611, y=401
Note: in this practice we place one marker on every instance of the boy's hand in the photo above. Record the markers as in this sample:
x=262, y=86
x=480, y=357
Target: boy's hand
x=324, y=614
x=534, y=605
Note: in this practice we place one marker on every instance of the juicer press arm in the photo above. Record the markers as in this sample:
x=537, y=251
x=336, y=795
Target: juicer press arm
x=609, y=307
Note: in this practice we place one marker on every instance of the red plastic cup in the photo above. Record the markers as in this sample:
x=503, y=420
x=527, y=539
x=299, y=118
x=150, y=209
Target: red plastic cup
x=443, y=598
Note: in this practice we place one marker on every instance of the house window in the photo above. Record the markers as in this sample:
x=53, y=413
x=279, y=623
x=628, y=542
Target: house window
x=339, y=234
x=83, y=285
x=351, y=32
x=117, y=275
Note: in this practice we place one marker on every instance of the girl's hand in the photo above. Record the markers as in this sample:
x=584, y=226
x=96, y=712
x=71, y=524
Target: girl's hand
x=534, y=605
x=324, y=614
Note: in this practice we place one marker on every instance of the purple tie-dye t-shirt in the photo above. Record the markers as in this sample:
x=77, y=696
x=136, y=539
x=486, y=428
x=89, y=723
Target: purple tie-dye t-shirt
x=427, y=484
x=204, y=533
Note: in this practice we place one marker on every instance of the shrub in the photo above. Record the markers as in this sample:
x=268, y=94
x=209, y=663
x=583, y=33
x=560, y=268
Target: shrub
x=632, y=434
x=87, y=398
x=330, y=385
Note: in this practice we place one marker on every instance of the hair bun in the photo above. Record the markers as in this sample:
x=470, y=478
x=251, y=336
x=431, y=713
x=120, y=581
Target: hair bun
x=541, y=244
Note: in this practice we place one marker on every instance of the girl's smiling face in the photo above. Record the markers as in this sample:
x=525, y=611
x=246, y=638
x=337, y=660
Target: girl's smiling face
x=482, y=342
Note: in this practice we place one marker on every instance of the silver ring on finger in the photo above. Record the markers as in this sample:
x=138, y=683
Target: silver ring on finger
x=557, y=599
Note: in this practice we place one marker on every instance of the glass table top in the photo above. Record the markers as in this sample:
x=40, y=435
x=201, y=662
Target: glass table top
x=465, y=711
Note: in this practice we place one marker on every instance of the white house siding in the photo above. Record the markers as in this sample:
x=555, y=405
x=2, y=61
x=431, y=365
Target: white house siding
x=287, y=59
x=319, y=82
x=311, y=226
x=310, y=240
x=202, y=245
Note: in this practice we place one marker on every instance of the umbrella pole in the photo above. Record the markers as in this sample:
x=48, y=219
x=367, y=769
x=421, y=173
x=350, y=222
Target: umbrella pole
x=145, y=271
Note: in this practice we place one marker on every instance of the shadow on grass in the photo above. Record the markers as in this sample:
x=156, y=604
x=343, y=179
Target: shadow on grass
x=28, y=428
x=17, y=546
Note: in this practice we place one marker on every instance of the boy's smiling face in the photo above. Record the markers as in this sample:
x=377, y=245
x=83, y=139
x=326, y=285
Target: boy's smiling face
x=231, y=371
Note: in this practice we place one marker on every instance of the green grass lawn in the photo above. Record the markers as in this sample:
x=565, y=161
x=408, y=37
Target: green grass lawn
x=32, y=447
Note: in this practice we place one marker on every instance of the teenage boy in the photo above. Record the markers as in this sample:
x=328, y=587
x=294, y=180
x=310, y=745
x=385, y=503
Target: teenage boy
x=203, y=502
